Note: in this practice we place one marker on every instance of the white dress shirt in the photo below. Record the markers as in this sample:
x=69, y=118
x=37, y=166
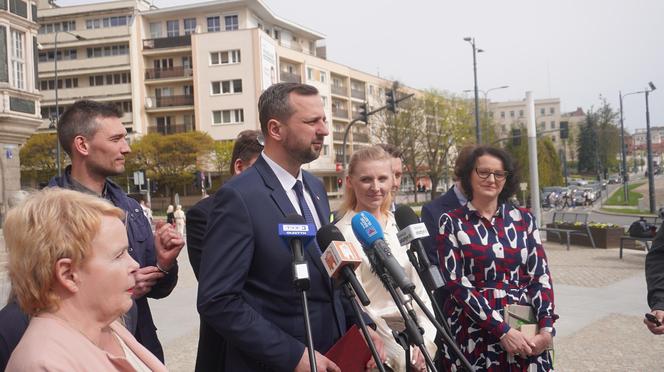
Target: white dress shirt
x=287, y=181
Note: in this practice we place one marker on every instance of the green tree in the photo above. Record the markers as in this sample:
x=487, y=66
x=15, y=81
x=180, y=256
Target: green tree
x=38, y=159
x=171, y=160
x=448, y=124
x=586, y=145
x=549, y=165
x=222, y=153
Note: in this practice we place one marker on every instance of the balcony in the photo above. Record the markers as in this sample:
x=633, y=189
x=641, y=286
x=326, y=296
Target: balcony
x=169, y=101
x=171, y=128
x=339, y=113
x=339, y=159
x=168, y=73
x=167, y=42
x=356, y=93
x=338, y=136
x=361, y=137
x=289, y=77
x=338, y=90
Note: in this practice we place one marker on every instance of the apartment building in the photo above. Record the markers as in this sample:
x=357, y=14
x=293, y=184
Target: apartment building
x=19, y=101
x=198, y=67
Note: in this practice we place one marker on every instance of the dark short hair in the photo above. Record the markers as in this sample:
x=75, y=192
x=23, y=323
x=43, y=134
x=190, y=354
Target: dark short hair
x=392, y=150
x=274, y=102
x=81, y=119
x=246, y=147
x=462, y=159
x=467, y=169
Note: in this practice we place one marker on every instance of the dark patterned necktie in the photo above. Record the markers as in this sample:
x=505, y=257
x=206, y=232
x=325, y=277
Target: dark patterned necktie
x=306, y=213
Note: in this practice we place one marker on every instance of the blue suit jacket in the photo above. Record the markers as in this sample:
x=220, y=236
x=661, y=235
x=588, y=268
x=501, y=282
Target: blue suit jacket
x=246, y=290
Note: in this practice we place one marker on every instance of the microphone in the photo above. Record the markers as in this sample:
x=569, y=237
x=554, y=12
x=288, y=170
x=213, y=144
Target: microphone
x=370, y=234
x=412, y=231
x=341, y=258
x=296, y=234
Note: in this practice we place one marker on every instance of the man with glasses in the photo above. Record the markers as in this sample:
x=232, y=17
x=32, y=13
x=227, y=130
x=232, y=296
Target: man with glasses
x=95, y=139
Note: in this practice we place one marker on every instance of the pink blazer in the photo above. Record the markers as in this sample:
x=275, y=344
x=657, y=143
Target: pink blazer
x=51, y=345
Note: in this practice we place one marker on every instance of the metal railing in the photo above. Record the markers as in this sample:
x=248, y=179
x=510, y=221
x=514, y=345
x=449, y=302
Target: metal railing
x=171, y=128
x=338, y=113
x=339, y=90
x=167, y=42
x=170, y=72
x=288, y=77
x=356, y=93
x=168, y=101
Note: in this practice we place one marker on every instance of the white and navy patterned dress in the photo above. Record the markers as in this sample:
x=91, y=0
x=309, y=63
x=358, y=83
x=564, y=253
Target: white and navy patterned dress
x=487, y=265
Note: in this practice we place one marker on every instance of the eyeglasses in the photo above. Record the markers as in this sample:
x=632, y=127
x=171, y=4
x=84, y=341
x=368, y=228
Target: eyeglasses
x=484, y=173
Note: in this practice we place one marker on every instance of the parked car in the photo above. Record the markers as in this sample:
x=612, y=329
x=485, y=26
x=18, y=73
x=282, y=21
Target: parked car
x=615, y=179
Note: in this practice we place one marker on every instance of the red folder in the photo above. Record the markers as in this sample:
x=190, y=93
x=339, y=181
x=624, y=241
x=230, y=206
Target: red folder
x=351, y=353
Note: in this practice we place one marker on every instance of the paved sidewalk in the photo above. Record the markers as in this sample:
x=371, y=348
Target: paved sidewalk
x=600, y=299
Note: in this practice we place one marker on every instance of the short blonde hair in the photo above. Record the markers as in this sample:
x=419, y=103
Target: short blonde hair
x=370, y=153
x=50, y=225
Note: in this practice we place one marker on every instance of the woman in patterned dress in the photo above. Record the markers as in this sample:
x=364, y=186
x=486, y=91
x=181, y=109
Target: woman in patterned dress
x=491, y=255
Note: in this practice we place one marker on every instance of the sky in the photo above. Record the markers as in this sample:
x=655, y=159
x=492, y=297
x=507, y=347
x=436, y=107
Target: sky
x=575, y=50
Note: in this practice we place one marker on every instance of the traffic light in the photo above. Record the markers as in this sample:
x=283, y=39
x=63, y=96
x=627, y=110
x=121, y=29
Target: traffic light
x=516, y=137
x=340, y=182
x=363, y=113
x=564, y=130
x=390, y=101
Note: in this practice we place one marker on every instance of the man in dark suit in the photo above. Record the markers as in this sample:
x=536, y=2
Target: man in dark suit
x=246, y=290
x=247, y=148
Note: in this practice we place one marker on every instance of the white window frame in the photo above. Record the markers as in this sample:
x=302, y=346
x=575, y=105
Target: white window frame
x=218, y=25
x=18, y=59
x=230, y=89
x=234, y=116
x=236, y=25
x=233, y=56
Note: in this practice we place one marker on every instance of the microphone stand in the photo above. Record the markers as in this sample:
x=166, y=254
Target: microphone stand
x=301, y=282
x=348, y=292
x=432, y=280
x=412, y=333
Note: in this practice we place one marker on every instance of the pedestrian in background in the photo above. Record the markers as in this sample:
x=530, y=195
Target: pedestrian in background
x=180, y=219
x=170, y=215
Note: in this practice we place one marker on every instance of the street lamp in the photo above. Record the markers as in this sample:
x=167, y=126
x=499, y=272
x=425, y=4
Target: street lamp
x=651, y=176
x=478, y=133
x=485, y=93
x=622, y=147
x=57, y=106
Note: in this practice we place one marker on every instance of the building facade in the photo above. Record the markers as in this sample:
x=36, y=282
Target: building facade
x=19, y=96
x=198, y=67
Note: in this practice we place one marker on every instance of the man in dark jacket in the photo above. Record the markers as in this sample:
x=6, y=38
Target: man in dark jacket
x=247, y=148
x=655, y=282
x=95, y=139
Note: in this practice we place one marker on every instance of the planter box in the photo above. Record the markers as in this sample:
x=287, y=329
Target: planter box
x=604, y=238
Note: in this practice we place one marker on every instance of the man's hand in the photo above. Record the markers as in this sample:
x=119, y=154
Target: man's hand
x=145, y=277
x=541, y=341
x=378, y=343
x=659, y=314
x=514, y=342
x=417, y=360
x=322, y=363
x=168, y=244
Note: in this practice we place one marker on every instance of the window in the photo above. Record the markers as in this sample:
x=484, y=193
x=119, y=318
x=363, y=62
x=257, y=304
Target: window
x=19, y=8
x=225, y=57
x=188, y=90
x=110, y=79
x=213, y=24
x=231, y=23
x=323, y=78
x=227, y=86
x=520, y=113
x=310, y=73
x=49, y=56
x=114, y=21
x=511, y=114
x=18, y=59
x=189, y=26
x=277, y=34
x=48, y=28
x=502, y=114
x=553, y=125
x=552, y=110
x=126, y=106
x=155, y=30
x=542, y=111
x=172, y=28
x=228, y=116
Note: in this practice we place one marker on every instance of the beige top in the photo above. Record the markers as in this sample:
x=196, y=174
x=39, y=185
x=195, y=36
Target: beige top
x=382, y=308
x=50, y=344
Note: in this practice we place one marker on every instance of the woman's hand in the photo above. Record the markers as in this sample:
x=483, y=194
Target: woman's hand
x=542, y=341
x=418, y=361
x=514, y=342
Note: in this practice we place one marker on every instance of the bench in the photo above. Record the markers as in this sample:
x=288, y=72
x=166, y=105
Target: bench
x=647, y=241
x=561, y=218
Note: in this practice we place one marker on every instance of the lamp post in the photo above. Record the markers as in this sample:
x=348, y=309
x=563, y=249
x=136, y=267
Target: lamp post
x=57, y=106
x=478, y=132
x=651, y=176
x=622, y=148
x=485, y=93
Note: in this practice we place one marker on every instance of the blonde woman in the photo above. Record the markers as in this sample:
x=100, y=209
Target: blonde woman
x=71, y=272
x=368, y=186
